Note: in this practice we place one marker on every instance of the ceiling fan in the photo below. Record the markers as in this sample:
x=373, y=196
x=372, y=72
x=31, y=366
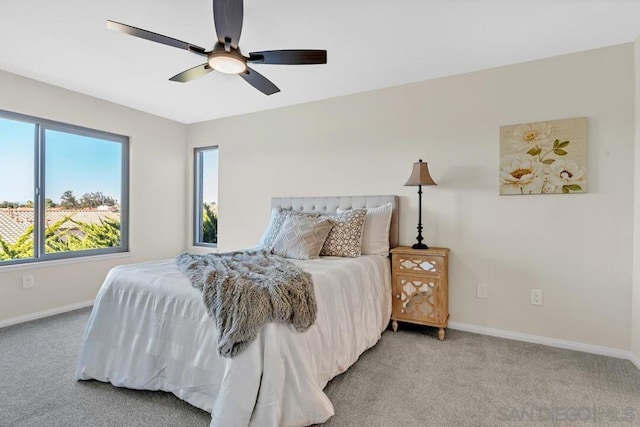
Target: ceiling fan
x=225, y=55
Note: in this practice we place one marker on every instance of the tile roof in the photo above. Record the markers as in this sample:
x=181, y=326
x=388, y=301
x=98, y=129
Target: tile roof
x=14, y=222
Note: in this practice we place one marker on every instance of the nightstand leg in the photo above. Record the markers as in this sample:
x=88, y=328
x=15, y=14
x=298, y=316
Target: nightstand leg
x=394, y=326
x=441, y=334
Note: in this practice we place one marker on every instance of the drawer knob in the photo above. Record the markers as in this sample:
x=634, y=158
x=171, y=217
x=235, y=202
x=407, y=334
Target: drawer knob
x=397, y=296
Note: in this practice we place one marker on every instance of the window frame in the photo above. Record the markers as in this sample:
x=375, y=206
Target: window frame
x=198, y=162
x=39, y=191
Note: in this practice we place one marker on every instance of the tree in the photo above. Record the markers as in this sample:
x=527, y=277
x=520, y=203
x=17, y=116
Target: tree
x=68, y=200
x=22, y=248
x=56, y=239
x=6, y=204
x=92, y=236
x=62, y=239
x=93, y=200
x=49, y=203
x=209, y=225
x=103, y=235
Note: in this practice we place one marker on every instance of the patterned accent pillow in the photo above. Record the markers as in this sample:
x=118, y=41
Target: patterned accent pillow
x=301, y=237
x=278, y=216
x=375, y=236
x=345, y=238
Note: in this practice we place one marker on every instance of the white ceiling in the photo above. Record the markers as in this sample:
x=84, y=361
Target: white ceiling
x=371, y=44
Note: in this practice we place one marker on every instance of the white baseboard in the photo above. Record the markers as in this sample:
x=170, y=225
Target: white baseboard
x=551, y=342
x=45, y=313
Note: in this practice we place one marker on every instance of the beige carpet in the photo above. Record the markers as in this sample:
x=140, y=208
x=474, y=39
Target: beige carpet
x=408, y=379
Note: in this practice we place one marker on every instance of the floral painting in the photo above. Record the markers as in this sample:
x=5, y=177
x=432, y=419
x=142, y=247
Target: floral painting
x=544, y=157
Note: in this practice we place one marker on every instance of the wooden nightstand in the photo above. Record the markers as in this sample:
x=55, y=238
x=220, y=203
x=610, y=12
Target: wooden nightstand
x=420, y=287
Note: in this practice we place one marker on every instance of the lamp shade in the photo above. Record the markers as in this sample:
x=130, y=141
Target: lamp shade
x=420, y=175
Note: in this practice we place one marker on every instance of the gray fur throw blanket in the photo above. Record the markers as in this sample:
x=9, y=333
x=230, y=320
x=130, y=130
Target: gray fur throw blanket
x=243, y=290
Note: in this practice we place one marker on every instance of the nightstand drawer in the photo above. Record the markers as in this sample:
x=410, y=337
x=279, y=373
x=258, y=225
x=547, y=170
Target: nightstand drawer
x=419, y=264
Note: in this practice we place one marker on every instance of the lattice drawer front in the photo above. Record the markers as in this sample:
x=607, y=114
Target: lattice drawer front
x=419, y=298
x=414, y=263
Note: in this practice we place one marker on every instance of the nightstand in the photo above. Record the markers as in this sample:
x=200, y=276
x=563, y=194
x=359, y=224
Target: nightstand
x=420, y=287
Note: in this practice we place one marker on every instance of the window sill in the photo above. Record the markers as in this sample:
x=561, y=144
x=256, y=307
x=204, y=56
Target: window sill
x=53, y=263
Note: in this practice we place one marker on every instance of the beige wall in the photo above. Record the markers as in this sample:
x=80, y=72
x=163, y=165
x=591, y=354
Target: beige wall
x=576, y=248
x=157, y=196
x=635, y=315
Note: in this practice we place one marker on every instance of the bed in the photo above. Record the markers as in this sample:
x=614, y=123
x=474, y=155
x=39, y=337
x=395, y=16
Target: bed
x=150, y=330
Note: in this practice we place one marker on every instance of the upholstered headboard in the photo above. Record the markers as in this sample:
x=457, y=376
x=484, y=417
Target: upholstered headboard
x=331, y=204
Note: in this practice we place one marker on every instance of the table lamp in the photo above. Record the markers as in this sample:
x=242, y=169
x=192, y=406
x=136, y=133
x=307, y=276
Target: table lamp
x=419, y=177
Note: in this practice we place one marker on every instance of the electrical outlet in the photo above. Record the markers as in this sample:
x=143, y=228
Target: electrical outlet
x=482, y=290
x=27, y=282
x=536, y=296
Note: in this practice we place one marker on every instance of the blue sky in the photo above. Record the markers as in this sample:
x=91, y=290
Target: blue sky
x=210, y=176
x=77, y=163
x=16, y=161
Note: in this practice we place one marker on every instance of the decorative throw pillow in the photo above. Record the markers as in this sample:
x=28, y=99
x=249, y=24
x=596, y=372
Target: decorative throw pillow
x=345, y=238
x=277, y=218
x=375, y=236
x=301, y=237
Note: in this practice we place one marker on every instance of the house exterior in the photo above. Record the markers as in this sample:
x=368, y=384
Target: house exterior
x=14, y=222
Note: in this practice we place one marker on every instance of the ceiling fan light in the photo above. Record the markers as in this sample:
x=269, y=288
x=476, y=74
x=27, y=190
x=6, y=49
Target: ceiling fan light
x=227, y=64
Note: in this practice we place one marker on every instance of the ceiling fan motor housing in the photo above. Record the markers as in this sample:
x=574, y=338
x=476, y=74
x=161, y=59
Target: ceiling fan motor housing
x=226, y=61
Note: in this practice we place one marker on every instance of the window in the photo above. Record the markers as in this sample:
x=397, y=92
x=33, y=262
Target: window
x=206, y=196
x=63, y=190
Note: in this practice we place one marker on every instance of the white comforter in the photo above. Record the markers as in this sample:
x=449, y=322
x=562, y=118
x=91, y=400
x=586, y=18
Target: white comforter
x=149, y=330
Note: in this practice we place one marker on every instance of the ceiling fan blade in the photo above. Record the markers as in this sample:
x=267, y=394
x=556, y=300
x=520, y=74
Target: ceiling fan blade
x=192, y=73
x=227, y=16
x=288, y=57
x=259, y=81
x=154, y=37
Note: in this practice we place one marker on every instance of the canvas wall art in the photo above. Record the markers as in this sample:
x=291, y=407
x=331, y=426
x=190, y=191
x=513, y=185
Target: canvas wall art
x=544, y=157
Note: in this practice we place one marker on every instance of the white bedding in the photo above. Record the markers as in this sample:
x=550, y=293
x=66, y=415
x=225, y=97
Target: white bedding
x=149, y=330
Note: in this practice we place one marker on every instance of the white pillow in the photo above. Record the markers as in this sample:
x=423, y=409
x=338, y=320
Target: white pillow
x=277, y=218
x=375, y=237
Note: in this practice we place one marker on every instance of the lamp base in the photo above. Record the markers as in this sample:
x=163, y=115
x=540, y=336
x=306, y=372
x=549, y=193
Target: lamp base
x=419, y=246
